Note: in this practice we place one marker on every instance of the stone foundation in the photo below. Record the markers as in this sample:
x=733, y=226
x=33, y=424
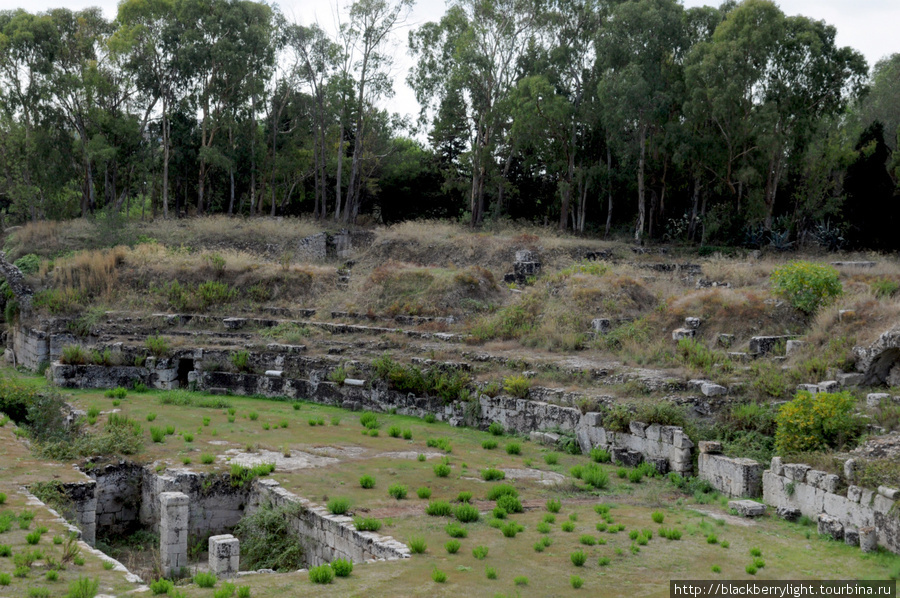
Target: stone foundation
x=732, y=477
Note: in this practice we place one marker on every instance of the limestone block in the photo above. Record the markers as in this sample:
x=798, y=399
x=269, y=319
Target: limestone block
x=712, y=390
x=830, y=526
x=777, y=466
x=354, y=382
x=851, y=536
x=868, y=539
x=811, y=388
x=846, y=380
x=652, y=433
x=692, y=323
x=682, y=333
x=274, y=373
x=793, y=346
x=547, y=438
x=638, y=429
x=829, y=386
x=796, y=471
x=854, y=493
x=681, y=440
x=788, y=513
x=875, y=399
x=224, y=555
x=710, y=447
x=234, y=323
x=889, y=493
x=867, y=497
x=601, y=325
x=814, y=477
x=850, y=470
x=763, y=345
x=831, y=483
x=747, y=508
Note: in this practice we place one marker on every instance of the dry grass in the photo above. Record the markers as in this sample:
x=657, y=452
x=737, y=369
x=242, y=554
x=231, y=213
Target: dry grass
x=93, y=272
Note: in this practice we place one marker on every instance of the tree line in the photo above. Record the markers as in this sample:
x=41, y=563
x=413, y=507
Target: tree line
x=735, y=124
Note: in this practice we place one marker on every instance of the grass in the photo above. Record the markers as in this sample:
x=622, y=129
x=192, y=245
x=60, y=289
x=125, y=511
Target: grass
x=398, y=491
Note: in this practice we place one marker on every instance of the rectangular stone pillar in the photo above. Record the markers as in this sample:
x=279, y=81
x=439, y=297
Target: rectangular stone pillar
x=224, y=555
x=173, y=532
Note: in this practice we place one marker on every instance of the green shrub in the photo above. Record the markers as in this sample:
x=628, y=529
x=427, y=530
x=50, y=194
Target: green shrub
x=489, y=444
x=509, y=503
x=322, y=574
x=83, y=587
x=553, y=505
x=599, y=455
x=367, y=524
x=439, y=508
x=499, y=513
x=157, y=434
x=490, y=474
x=429, y=418
x=52, y=575
x=551, y=458
x=510, y=529
x=806, y=286
x=513, y=448
x=567, y=526
x=464, y=496
x=452, y=546
x=604, y=561
x=496, y=428
x=394, y=431
x=342, y=567
x=751, y=569
x=480, y=552
x=543, y=527
x=74, y=355
x=338, y=375
x=369, y=420
x=161, y=586
x=712, y=539
x=116, y=393
x=398, y=491
x=338, y=506
x=884, y=287
x=466, y=513
x=241, y=360
x=490, y=573
x=205, y=579
x=635, y=475
x=755, y=552
x=502, y=490
x=576, y=581
x=243, y=592
x=417, y=545
x=441, y=470
x=716, y=569
x=816, y=422
x=438, y=576
x=267, y=541
x=670, y=533
x=657, y=516
x=424, y=492
x=33, y=538
x=157, y=345
x=539, y=546
x=455, y=530
x=594, y=475
x=517, y=386
x=5, y=550
x=520, y=580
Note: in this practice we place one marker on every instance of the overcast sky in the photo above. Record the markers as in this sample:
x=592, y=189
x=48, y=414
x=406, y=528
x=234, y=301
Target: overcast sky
x=870, y=26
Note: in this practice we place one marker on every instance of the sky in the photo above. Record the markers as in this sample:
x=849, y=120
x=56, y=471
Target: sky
x=866, y=25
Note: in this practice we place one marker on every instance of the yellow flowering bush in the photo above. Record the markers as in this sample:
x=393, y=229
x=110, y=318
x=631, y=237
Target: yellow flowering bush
x=805, y=285
x=814, y=422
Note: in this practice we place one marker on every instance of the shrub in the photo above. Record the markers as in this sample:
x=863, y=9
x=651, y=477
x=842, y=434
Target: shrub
x=455, y=530
x=816, y=422
x=513, y=448
x=438, y=576
x=394, y=431
x=489, y=444
x=604, y=561
x=407, y=434
x=751, y=569
x=599, y=455
x=480, y=552
x=543, y=527
x=424, y=492
x=367, y=524
x=576, y=581
x=509, y=503
x=553, y=505
x=567, y=526
x=502, y=490
x=490, y=573
x=83, y=587
x=517, y=386
x=243, y=592
x=539, y=546
x=417, y=545
x=161, y=586
x=74, y=355
x=884, y=287
x=520, y=580
x=51, y=575
x=342, y=567
x=464, y=496
x=5, y=550
x=466, y=513
x=496, y=428
x=33, y=538
x=594, y=476
x=499, y=513
x=205, y=579
x=338, y=506
x=267, y=541
x=805, y=285
x=755, y=552
x=157, y=345
x=322, y=574
x=429, y=418
x=670, y=533
x=510, y=529
x=551, y=458
x=439, y=508
x=116, y=393
x=657, y=516
x=207, y=459
x=716, y=569
x=712, y=539
x=635, y=476
x=452, y=546
x=157, y=434
x=587, y=540
x=548, y=518
x=441, y=470
x=338, y=375
x=759, y=563
x=490, y=474
x=398, y=491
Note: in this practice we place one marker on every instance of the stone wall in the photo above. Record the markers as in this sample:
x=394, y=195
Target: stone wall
x=733, y=477
x=667, y=447
x=118, y=498
x=797, y=488
x=326, y=537
x=161, y=374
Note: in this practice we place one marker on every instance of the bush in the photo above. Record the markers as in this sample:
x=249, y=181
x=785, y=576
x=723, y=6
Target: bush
x=74, y=355
x=394, y=431
x=502, y=490
x=490, y=573
x=417, y=545
x=543, y=527
x=499, y=513
x=241, y=360
x=657, y=516
x=553, y=505
x=490, y=474
x=599, y=455
x=489, y=444
x=520, y=580
x=205, y=579
x=441, y=470
x=455, y=530
x=438, y=576
x=83, y=587
x=466, y=513
x=594, y=476
x=368, y=420
x=805, y=285
x=322, y=574
x=439, y=508
x=510, y=529
x=480, y=552
x=551, y=458
x=513, y=448
x=604, y=561
x=161, y=586
x=367, y=482
x=670, y=533
x=338, y=506
x=509, y=503
x=635, y=475
x=367, y=524
x=816, y=422
x=517, y=386
x=464, y=496
x=567, y=526
x=157, y=345
x=267, y=541
x=452, y=546
x=398, y=491
x=342, y=567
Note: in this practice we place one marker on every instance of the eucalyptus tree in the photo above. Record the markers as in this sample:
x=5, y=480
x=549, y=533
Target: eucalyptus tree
x=475, y=49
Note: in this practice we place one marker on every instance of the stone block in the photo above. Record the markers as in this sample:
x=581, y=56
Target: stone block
x=680, y=440
x=868, y=539
x=850, y=470
x=847, y=380
x=867, y=497
x=854, y=493
x=810, y=388
x=652, y=433
x=763, y=345
x=788, y=513
x=829, y=386
x=274, y=373
x=830, y=526
x=224, y=555
x=234, y=323
x=601, y=325
x=713, y=390
x=354, y=382
x=547, y=438
x=814, y=477
x=747, y=508
x=626, y=457
x=638, y=429
x=831, y=483
x=796, y=471
x=793, y=346
x=876, y=399
x=710, y=447
x=889, y=493
x=692, y=323
x=682, y=333
x=851, y=536
x=777, y=466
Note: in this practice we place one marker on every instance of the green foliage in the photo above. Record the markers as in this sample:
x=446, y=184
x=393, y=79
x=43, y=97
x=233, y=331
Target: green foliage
x=599, y=455
x=424, y=492
x=806, y=286
x=338, y=506
x=367, y=482
x=551, y=459
x=701, y=358
x=670, y=533
x=367, y=524
x=74, y=355
x=464, y=496
x=513, y=448
x=657, y=516
x=342, y=567
x=417, y=545
x=205, y=579
x=240, y=360
x=441, y=470
x=480, y=552
x=517, y=386
x=455, y=530
x=595, y=476
x=496, y=428
x=242, y=477
x=439, y=508
x=509, y=503
x=553, y=505
x=161, y=586
x=267, y=541
x=489, y=444
x=466, y=513
x=489, y=474
x=884, y=288
x=83, y=587
x=510, y=529
x=183, y=398
x=567, y=526
x=495, y=492
x=579, y=558
x=323, y=574
x=814, y=422
x=438, y=576
x=157, y=345
x=398, y=491
x=452, y=546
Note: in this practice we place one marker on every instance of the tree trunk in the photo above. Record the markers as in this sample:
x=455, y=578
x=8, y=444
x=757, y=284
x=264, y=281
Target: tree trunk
x=609, y=209
x=642, y=200
x=695, y=201
x=340, y=167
